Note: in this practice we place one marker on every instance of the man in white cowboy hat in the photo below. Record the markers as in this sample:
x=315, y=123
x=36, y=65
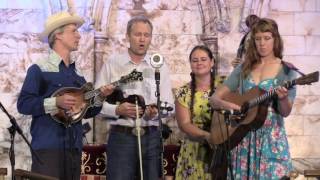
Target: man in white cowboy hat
x=59, y=147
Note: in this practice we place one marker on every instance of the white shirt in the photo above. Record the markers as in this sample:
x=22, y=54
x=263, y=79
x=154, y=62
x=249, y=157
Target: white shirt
x=119, y=65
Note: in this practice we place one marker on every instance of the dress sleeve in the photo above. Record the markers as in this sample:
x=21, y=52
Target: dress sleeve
x=182, y=95
x=292, y=91
x=233, y=80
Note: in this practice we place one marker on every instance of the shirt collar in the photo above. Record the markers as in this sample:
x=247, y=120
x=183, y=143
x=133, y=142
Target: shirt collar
x=56, y=59
x=146, y=59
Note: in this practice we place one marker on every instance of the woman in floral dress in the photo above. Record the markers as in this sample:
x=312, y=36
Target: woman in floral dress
x=262, y=153
x=194, y=116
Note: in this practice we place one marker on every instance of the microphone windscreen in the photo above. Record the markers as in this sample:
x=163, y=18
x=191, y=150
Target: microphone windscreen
x=156, y=60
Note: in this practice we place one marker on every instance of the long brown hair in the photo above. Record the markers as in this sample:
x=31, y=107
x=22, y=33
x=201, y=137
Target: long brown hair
x=252, y=56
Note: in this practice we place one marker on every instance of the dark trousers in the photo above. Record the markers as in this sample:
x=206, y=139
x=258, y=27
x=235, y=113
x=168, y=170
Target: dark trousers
x=62, y=164
x=122, y=155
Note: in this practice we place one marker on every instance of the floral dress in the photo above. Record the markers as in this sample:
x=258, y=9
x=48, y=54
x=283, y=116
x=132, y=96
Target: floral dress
x=193, y=159
x=263, y=153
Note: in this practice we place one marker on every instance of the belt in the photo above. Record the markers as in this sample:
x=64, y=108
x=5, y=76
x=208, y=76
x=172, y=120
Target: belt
x=130, y=130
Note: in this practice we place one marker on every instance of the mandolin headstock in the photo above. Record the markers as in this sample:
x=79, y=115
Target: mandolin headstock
x=133, y=76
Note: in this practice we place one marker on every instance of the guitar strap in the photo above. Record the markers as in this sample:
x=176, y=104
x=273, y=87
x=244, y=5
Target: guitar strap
x=287, y=67
x=290, y=66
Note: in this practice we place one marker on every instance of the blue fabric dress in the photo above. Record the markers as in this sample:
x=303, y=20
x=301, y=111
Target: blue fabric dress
x=263, y=153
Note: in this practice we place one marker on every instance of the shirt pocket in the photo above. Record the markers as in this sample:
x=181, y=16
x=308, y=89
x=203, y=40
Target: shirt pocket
x=54, y=84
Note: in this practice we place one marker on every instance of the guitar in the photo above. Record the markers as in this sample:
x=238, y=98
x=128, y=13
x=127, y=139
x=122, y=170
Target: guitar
x=85, y=96
x=253, y=115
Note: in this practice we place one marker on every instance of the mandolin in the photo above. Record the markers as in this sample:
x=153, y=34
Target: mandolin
x=85, y=96
x=254, y=106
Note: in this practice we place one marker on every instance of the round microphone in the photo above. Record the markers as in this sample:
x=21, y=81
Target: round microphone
x=156, y=60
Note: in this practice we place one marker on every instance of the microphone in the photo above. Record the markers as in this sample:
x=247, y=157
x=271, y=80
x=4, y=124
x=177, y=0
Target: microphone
x=156, y=62
x=230, y=112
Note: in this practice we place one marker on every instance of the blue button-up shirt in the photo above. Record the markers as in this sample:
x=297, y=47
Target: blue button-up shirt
x=42, y=80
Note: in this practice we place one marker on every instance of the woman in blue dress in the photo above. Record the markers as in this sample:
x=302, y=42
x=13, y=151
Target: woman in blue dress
x=264, y=152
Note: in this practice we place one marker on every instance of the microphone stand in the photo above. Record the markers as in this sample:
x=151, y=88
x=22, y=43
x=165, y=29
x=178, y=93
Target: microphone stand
x=157, y=78
x=12, y=130
x=229, y=163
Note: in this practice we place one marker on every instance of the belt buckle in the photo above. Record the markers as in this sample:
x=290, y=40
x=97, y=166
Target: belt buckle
x=135, y=131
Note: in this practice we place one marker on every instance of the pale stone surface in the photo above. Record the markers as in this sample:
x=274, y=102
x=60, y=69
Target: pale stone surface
x=311, y=125
x=301, y=164
x=167, y=43
x=304, y=24
x=313, y=45
x=294, y=45
x=294, y=125
x=21, y=21
x=179, y=79
x=309, y=89
x=178, y=24
x=308, y=105
x=179, y=64
x=293, y=5
x=286, y=22
x=304, y=146
x=84, y=56
x=306, y=64
x=158, y=4
x=25, y=4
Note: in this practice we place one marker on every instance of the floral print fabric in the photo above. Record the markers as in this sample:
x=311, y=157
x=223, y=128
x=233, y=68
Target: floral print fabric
x=263, y=153
x=192, y=164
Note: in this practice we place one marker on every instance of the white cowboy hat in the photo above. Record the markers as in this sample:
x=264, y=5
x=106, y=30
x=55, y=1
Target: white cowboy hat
x=60, y=19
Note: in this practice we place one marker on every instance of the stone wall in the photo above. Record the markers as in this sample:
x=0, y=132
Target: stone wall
x=177, y=28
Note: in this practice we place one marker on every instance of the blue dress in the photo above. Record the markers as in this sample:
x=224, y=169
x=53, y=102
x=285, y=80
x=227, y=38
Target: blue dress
x=263, y=153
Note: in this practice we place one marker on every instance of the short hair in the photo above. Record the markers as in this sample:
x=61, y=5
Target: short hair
x=137, y=19
x=52, y=36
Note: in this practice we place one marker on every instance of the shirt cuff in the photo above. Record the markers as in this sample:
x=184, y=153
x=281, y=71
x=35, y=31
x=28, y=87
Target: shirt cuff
x=109, y=110
x=50, y=106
